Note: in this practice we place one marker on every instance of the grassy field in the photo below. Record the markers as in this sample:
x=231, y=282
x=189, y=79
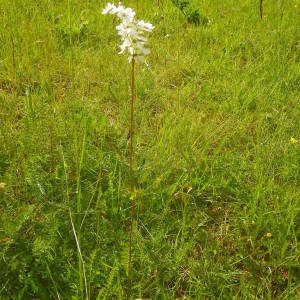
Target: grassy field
x=216, y=157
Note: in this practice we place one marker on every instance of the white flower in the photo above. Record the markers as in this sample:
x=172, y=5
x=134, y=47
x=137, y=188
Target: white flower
x=132, y=32
x=148, y=27
x=125, y=14
x=126, y=44
x=110, y=9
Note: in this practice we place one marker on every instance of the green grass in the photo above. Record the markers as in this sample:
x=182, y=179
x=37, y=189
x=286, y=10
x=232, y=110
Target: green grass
x=218, y=199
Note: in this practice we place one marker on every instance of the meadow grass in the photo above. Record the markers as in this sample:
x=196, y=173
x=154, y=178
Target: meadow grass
x=217, y=176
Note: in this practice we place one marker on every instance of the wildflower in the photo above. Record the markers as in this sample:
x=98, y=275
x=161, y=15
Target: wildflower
x=132, y=32
x=293, y=141
x=110, y=9
x=134, y=42
x=2, y=185
x=269, y=235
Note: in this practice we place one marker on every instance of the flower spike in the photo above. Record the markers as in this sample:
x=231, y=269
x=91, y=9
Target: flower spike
x=132, y=32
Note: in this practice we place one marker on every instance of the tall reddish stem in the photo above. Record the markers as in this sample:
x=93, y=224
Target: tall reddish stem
x=132, y=196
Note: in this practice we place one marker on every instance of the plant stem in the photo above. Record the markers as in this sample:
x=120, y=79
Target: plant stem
x=80, y=256
x=261, y=9
x=71, y=59
x=13, y=58
x=132, y=197
x=131, y=127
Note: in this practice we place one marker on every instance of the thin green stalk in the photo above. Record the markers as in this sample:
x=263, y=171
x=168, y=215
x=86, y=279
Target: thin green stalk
x=131, y=179
x=53, y=281
x=80, y=257
x=81, y=268
x=13, y=58
x=79, y=168
x=178, y=55
x=71, y=59
x=261, y=9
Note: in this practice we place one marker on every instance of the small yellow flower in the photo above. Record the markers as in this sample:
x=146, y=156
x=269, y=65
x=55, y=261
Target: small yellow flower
x=293, y=141
x=269, y=235
x=2, y=185
x=133, y=195
x=252, y=222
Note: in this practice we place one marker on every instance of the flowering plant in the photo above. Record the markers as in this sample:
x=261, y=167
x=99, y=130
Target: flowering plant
x=132, y=32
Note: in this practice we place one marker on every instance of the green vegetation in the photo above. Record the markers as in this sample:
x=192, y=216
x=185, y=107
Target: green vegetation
x=216, y=170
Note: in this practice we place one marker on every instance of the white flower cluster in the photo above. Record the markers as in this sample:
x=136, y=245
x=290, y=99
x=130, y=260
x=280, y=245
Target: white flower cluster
x=132, y=32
